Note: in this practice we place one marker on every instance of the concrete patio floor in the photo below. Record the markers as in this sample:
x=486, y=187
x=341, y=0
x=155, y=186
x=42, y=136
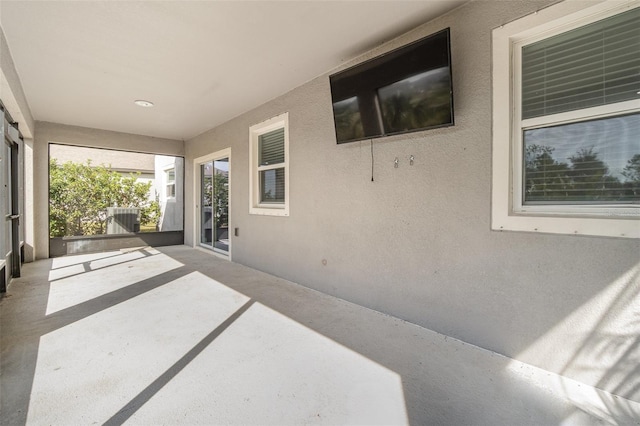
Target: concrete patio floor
x=177, y=336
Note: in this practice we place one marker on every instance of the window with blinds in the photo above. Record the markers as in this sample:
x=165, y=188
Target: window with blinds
x=584, y=158
x=597, y=64
x=170, y=183
x=271, y=149
x=269, y=167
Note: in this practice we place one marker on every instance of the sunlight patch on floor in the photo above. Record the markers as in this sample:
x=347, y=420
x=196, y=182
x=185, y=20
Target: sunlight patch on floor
x=88, y=370
x=76, y=284
x=93, y=264
x=77, y=259
x=268, y=369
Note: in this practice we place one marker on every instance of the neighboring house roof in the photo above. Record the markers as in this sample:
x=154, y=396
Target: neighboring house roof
x=116, y=160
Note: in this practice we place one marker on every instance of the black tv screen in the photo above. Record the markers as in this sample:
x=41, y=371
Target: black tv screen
x=406, y=90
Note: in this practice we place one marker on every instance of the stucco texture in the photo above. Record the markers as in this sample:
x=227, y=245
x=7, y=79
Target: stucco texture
x=416, y=242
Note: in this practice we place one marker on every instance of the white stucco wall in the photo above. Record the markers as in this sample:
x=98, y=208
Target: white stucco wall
x=14, y=100
x=11, y=92
x=416, y=243
x=172, y=207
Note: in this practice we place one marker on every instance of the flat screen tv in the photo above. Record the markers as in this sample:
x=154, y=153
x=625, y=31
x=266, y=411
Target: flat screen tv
x=406, y=90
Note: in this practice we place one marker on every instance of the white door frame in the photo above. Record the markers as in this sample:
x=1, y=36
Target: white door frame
x=197, y=219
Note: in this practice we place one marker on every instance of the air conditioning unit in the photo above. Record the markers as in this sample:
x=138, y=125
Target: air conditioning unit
x=123, y=220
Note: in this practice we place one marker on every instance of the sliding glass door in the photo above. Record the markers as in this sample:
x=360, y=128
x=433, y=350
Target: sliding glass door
x=214, y=204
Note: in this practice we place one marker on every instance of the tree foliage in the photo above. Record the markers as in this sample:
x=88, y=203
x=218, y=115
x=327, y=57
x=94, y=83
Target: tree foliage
x=631, y=172
x=221, y=192
x=216, y=195
x=586, y=178
x=79, y=195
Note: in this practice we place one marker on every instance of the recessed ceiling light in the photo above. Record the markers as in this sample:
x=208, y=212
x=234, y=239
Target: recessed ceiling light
x=142, y=103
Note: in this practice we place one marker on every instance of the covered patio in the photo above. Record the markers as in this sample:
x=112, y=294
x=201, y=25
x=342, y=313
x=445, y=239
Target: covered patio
x=174, y=335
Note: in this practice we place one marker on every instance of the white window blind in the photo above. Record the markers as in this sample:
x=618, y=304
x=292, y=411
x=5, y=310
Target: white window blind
x=594, y=65
x=270, y=154
x=271, y=148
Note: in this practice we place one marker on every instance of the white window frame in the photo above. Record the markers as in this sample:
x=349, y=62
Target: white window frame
x=168, y=183
x=508, y=211
x=255, y=131
x=197, y=162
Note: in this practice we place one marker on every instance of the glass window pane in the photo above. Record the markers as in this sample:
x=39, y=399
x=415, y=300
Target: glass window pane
x=5, y=201
x=589, y=162
x=272, y=186
x=206, y=191
x=597, y=64
x=221, y=203
x=171, y=190
x=271, y=148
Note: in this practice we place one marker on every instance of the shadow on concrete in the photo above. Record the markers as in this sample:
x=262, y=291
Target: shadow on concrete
x=24, y=321
x=128, y=410
x=59, y=273
x=444, y=381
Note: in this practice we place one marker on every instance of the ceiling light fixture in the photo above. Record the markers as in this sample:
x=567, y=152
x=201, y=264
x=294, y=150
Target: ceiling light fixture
x=142, y=103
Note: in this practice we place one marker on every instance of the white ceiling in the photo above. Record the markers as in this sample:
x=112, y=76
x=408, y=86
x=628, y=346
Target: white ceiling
x=201, y=62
